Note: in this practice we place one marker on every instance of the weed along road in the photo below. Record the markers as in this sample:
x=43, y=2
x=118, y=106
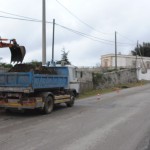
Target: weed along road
x=116, y=121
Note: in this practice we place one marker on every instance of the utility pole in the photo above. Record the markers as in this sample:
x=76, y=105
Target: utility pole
x=115, y=50
x=43, y=33
x=53, y=41
x=136, y=54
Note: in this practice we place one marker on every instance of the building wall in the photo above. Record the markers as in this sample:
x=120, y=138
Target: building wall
x=121, y=62
x=125, y=61
x=86, y=86
x=85, y=79
x=107, y=62
x=142, y=76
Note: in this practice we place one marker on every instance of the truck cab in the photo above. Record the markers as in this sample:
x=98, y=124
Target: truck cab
x=73, y=81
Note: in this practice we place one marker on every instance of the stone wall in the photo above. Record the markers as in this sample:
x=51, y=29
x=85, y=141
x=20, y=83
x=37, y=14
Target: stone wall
x=89, y=80
x=111, y=79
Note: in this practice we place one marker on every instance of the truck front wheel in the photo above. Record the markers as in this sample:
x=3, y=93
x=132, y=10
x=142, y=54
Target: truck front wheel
x=49, y=105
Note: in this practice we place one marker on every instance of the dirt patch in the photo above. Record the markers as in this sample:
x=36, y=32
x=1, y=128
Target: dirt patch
x=35, y=69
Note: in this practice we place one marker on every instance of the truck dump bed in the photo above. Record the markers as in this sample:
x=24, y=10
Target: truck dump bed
x=29, y=81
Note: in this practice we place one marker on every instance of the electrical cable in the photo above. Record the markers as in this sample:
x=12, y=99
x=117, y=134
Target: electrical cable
x=125, y=37
x=89, y=26
x=85, y=34
x=110, y=42
x=18, y=15
x=35, y=20
x=23, y=19
x=81, y=33
x=92, y=37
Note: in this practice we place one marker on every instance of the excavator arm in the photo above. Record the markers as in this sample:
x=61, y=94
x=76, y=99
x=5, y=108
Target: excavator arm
x=17, y=52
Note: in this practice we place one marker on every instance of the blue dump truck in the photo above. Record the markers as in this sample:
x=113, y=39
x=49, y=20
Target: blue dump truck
x=32, y=90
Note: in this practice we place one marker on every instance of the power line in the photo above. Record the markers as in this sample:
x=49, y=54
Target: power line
x=121, y=43
x=23, y=19
x=90, y=35
x=18, y=15
x=80, y=19
x=109, y=42
x=87, y=36
x=125, y=37
x=36, y=20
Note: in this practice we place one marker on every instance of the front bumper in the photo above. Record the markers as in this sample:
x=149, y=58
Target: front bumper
x=19, y=106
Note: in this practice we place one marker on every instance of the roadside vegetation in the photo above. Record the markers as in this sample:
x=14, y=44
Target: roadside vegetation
x=112, y=89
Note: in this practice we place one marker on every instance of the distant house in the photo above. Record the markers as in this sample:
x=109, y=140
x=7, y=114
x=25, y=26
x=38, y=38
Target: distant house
x=124, y=61
x=142, y=64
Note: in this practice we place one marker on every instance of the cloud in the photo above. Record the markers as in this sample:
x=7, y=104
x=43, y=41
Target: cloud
x=129, y=18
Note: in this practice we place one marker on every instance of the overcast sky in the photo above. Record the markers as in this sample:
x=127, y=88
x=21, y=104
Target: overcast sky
x=93, y=18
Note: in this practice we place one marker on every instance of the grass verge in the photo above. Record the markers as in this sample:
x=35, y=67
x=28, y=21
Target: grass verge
x=108, y=90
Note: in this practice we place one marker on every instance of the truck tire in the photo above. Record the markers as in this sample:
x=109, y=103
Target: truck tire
x=49, y=105
x=8, y=111
x=71, y=102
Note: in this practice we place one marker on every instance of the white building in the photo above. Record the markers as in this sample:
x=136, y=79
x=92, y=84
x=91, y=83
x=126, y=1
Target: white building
x=124, y=61
x=128, y=61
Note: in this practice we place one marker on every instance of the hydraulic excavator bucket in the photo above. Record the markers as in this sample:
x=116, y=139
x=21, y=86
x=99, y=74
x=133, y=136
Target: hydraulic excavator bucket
x=17, y=53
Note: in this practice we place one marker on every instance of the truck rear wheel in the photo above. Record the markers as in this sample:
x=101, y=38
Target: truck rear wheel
x=49, y=105
x=71, y=102
x=8, y=111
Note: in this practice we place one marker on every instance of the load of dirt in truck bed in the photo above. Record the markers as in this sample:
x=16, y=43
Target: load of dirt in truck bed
x=35, y=69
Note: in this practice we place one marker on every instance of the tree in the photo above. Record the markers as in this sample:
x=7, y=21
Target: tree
x=142, y=50
x=64, y=59
x=35, y=63
x=5, y=65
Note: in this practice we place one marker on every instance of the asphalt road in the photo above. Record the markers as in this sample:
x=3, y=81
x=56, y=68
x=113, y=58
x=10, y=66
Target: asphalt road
x=116, y=121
